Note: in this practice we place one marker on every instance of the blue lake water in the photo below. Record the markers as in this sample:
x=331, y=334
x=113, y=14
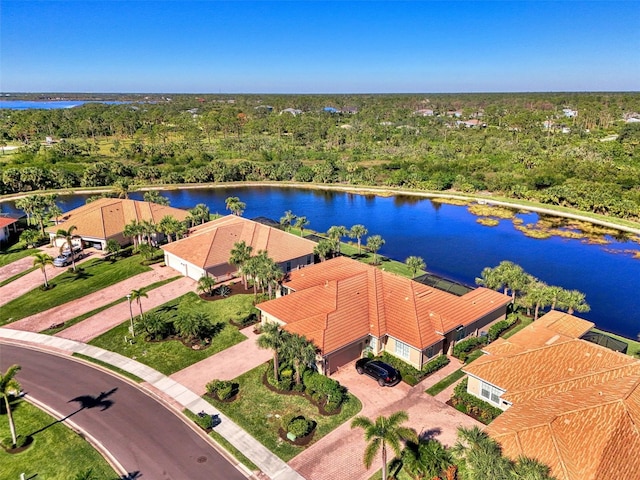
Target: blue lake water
x=450, y=241
x=48, y=104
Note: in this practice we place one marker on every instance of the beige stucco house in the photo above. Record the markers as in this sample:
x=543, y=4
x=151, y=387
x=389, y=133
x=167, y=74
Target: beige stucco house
x=346, y=307
x=207, y=249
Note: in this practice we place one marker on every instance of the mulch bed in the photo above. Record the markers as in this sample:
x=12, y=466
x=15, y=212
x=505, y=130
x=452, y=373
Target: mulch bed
x=300, y=441
x=19, y=449
x=235, y=289
x=232, y=398
x=320, y=407
x=475, y=417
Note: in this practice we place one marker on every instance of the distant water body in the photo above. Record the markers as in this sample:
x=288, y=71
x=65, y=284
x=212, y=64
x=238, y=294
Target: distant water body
x=449, y=239
x=48, y=104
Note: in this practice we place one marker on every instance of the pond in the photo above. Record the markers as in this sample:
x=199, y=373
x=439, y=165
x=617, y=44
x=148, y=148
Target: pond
x=450, y=241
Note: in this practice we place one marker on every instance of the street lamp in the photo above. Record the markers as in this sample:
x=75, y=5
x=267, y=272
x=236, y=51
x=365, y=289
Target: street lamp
x=130, y=315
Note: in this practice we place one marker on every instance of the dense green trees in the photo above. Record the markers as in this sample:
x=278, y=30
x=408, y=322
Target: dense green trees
x=391, y=140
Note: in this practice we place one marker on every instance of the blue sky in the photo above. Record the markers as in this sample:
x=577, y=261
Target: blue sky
x=319, y=47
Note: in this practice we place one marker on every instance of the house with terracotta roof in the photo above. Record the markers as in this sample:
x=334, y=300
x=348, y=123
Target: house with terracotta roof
x=571, y=404
x=346, y=307
x=105, y=219
x=8, y=224
x=207, y=248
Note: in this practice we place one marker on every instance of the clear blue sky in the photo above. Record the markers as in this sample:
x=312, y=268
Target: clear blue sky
x=319, y=47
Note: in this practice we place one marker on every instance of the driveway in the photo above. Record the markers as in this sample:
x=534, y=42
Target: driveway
x=339, y=454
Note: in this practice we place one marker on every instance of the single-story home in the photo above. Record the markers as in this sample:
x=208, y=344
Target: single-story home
x=569, y=403
x=8, y=224
x=106, y=218
x=346, y=307
x=207, y=249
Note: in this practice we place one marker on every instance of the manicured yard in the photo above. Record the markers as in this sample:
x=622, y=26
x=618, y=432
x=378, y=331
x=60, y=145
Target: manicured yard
x=169, y=356
x=96, y=275
x=15, y=252
x=258, y=410
x=57, y=453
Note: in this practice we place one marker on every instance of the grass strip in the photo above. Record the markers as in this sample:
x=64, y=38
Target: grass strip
x=17, y=276
x=91, y=277
x=237, y=454
x=14, y=253
x=113, y=368
x=445, y=382
x=95, y=311
x=57, y=452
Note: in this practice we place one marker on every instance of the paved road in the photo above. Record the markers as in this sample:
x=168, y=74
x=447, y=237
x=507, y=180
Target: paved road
x=139, y=431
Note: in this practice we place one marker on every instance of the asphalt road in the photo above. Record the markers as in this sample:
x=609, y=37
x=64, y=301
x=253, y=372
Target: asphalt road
x=148, y=440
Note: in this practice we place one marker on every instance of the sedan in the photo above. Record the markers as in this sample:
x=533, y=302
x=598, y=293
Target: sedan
x=384, y=373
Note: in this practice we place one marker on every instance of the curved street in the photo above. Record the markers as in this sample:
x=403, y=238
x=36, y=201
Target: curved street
x=146, y=438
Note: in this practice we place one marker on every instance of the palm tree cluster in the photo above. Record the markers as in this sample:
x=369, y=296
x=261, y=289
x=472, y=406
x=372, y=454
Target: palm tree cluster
x=39, y=208
x=235, y=206
x=422, y=457
x=290, y=348
x=261, y=269
x=529, y=291
x=198, y=215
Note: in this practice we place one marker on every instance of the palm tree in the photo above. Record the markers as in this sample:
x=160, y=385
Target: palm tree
x=200, y=213
x=384, y=431
x=30, y=237
x=146, y=251
x=538, y=296
x=206, y=284
x=525, y=468
x=573, y=301
x=169, y=226
x=481, y=455
x=138, y=295
x=239, y=255
x=427, y=458
x=336, y=232
x=272, y=337
x=301, y=223
x=133, y=230
x=154, y=196
x=113, y=249
x=375, y=243
x=69, y=237
x=9, y=386
x=287, y=220
x=154, y=325
x=415, y=264
x=193, y=325
x=358, y=231
x=121, y=189
x=235, y=206
x=555, y=295
x=323, y=249
x=300, y=352
x=41, y=261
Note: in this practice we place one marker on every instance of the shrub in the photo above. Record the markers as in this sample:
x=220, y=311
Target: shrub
x=300, y=427
x=412, y=375
x=323, y=389
x=472, y=405
x=434, y=365
x=498, y=328
x=203, y=421
x=464, y=347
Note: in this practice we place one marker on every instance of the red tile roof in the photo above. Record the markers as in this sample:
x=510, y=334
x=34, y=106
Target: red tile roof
x=576, y=405
x=106, y=217
x=5, y=221
x=208, y=245
x=356, y=299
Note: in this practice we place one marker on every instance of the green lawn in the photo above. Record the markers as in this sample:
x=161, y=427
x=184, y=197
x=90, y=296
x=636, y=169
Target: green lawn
x=169, y=356
x=445, y=382
x=96, y=275
x=15, y=252
x=57, y=453
x=258, y=410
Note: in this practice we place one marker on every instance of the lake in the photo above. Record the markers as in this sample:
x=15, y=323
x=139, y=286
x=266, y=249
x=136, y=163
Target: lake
x=48, y=104
x=450, y=241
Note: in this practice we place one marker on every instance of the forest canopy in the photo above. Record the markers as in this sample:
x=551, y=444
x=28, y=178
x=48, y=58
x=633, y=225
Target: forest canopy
x=579, y=150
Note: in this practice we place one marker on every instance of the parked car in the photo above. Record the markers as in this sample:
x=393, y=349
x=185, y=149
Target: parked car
x=66, y=257
x=384, y=373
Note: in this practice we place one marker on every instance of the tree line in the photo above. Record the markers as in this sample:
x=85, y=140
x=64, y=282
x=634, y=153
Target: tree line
x=369, y=140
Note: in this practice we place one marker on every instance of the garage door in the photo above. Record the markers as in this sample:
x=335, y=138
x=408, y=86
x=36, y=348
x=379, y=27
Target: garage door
x=344, y=356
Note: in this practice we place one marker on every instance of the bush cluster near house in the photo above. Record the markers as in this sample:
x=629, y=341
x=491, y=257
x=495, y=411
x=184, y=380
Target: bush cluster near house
x=467, y=403
x=222, y=389
x=410, y=374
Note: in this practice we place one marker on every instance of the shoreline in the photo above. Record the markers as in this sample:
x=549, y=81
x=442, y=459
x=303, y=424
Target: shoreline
x=357, y=190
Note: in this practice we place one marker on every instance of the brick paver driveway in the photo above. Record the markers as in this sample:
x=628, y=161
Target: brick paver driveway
x=339, y=454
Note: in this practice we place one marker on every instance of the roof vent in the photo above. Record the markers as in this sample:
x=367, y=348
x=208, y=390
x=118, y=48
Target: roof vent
x=570, y=369
x=406, y=298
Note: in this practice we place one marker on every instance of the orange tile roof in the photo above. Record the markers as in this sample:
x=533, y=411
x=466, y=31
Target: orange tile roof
x=6, y=221
x=576, y=405
x=106, y=217
x=208, y=245
x=367, y=300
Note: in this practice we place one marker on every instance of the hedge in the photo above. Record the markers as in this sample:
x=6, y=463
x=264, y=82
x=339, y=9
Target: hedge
x=462, y=349
x=472, y=405
x=411, y=375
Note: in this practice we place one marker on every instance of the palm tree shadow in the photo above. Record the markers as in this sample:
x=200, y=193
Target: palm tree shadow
x=86, y=402
x=430, y=434
x=131, y=476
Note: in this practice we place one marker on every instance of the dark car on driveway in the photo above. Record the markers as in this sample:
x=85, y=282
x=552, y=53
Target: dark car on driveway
x=384, y=373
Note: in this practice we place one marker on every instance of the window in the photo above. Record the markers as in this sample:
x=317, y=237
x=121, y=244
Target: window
x=308, y=259
x=429, y=352
x=402, y=349
x=288, y=266
x=373, y=343
x=460, y=334
x=490, y=393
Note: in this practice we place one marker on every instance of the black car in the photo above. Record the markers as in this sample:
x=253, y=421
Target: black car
x=384, y=373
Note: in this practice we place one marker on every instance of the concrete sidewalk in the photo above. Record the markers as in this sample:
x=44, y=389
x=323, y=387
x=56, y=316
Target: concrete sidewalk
x=182, y=397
